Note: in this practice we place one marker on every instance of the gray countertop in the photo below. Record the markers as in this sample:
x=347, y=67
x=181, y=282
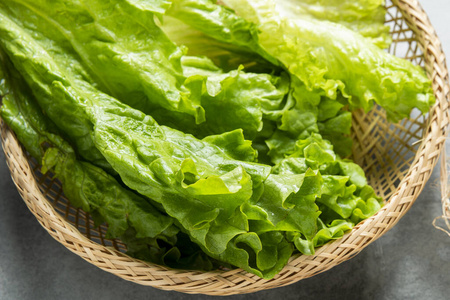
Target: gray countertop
x=412, y=261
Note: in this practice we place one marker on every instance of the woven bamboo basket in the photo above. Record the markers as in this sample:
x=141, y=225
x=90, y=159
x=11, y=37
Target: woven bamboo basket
x=398, y=160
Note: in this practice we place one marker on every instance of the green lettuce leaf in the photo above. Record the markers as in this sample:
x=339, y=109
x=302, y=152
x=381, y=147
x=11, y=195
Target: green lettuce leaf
x=308, y=113
x=113, y=41
x=325, y=233
x=314, y=197
x=194, y=181
x=232, y=100
x=317, y=154
x=158, y=7
x=289, y=203
x=59, y=108
x=186, y=136
x=363, y=16
x=221, y=24
x=234, y=145
x=188, y=91
x=341, y=190
x=148, y=233
x=84, y=184
x=225, y=56
x=330, y=58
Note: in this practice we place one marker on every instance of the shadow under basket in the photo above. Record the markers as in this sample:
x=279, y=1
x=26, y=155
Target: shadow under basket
x=397, y=158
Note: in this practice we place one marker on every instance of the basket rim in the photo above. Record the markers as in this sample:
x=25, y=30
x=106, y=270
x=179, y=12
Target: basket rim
x=239, y=281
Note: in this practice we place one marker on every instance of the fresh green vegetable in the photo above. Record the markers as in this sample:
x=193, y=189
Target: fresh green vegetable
x=195, y=161
x=86, y=185
x=177, y=97
x=331, y=59
x=365, y=17
x=195, y=181
x=221, y=24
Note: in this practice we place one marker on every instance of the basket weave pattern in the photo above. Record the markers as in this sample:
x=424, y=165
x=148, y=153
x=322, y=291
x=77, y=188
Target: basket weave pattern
x=398, y=160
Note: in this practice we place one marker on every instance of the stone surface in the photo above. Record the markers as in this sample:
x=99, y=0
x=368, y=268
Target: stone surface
x=412, y=261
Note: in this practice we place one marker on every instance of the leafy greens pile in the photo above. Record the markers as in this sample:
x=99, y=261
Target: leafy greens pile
x=204, y=134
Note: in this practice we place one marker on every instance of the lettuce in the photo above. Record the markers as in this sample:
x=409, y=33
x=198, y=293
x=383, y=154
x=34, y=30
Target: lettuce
x=329, y=59
x=196, y=161
x=78, y=129
x=195, y=181
x=365, y=17
x=85, y=185
x=123, y=65
x=113, y=44
x=221, y=24
x=233, y=100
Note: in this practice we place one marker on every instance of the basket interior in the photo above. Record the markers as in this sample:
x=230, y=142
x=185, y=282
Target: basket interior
x=384, y=150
